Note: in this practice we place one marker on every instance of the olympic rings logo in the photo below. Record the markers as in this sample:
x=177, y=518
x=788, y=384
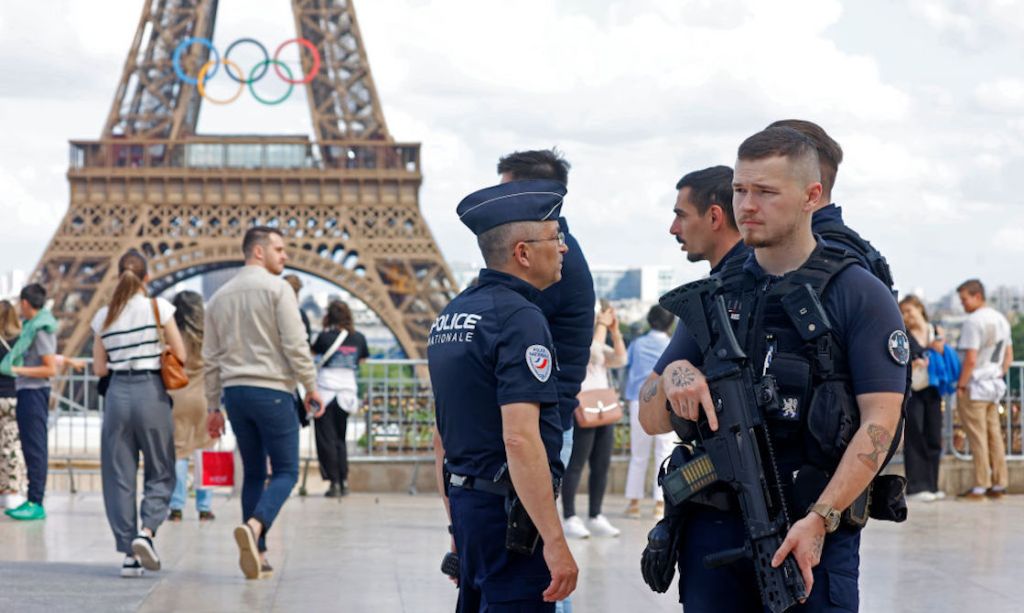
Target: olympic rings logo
x=260, y=70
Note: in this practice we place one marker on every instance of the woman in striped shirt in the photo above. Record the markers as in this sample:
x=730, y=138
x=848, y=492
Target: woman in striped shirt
x=137, y=412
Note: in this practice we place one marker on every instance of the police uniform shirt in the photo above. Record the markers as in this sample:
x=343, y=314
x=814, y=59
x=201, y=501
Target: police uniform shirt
x=681, y=337
x=865, y=320
x=491, y=347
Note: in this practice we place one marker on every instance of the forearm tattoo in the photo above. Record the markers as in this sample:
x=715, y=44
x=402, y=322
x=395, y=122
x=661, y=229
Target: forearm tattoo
x=649, y=391
x=880, y=442
x=819, y=544
x=683, y=376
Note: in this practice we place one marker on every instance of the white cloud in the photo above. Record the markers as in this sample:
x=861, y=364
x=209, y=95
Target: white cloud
x=636, y=93
x=1004, y=95
x=972, y=23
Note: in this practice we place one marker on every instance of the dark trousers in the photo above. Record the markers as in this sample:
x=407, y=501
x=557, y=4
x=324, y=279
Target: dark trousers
x=265, y=425
x=330, y=443
x=31, y=413
x=494, y=579
x=922, y=442
x=593, y=445
x=733, y=587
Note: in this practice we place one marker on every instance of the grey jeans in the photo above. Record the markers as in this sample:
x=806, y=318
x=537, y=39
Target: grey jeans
x=136, y=417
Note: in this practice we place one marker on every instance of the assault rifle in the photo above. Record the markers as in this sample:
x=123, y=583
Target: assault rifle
x=739, y=453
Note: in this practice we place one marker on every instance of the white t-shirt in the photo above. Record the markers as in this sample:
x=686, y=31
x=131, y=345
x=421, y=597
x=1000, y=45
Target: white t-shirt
x=132, y=340
x=987, y=331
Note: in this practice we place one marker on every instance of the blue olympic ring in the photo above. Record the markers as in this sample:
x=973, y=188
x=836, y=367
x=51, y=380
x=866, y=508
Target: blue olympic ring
x=185, y=44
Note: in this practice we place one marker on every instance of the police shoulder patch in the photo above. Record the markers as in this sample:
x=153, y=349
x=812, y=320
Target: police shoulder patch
x=899, y=347
x=538, y=359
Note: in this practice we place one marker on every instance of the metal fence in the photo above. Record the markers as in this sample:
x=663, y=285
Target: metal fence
x=396, y=417
x=1012, y=420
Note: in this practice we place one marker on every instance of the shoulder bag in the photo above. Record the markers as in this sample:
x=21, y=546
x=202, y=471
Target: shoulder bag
x=598, y=407
x=172, y=370
x=338, y=340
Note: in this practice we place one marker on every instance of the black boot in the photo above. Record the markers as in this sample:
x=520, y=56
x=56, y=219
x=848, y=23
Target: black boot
x=344, y=488
x=334, y=491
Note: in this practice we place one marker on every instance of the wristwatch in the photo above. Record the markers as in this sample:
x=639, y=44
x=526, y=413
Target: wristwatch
x=830, y=515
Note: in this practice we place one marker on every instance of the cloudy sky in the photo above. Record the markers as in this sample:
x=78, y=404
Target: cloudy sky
x=925, y=96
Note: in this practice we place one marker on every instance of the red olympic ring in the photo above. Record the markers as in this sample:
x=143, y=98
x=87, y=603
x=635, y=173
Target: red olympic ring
x=316, y=61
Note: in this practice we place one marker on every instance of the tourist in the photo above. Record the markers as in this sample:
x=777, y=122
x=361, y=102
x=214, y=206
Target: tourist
x=129, y=339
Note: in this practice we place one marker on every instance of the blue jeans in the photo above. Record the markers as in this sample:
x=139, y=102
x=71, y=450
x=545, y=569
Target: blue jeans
x=265, y=425
x=203, y=495
x=566, y=452
x=565, y=606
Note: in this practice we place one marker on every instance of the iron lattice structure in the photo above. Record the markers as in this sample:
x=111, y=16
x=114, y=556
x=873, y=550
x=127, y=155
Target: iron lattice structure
x=347, y=200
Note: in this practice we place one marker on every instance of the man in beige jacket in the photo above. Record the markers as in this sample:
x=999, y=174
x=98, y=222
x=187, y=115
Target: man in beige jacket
x=255, y=350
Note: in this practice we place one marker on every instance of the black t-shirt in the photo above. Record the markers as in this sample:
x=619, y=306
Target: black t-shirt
x=351, y=350
x=7, y=383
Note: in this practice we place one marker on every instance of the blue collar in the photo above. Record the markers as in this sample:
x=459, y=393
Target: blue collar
x=738, y=250
x=830, y=213
x=489, y=276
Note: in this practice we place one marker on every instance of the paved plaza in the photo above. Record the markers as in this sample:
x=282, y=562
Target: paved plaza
x=380, y=553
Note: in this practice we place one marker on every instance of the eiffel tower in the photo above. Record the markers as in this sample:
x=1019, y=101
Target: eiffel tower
x=347, y=201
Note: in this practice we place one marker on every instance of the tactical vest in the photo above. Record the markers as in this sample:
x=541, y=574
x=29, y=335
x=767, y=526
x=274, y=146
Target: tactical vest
x=840, y=233
x=785, y=332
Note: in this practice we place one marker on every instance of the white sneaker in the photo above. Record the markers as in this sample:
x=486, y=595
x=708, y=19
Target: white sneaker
x=600, y=526
x=922, y=497
x=131, y=567
x=939, y=495
x=575, y=529
x=142, y=547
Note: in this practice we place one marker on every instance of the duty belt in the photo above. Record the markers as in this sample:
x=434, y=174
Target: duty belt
x=481, y=485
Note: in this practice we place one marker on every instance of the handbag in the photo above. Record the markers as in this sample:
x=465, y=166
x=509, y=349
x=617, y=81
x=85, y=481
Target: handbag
x=214, y=468
x=172, y=370
x=598, y=407
x=919, y=378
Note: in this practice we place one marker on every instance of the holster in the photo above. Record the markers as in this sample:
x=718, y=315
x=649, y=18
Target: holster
x=888, y=499
x=521, y=534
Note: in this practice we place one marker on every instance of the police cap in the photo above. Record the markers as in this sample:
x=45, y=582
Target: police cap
x=528, y=200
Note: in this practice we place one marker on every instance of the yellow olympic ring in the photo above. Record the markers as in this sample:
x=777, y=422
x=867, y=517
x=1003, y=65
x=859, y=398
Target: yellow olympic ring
x=201, y=80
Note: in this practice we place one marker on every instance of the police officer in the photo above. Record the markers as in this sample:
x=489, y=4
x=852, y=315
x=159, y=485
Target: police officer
x=839, y=412
x=568, y=304
x=498, y=431
x=827, y=221
x=705, y=228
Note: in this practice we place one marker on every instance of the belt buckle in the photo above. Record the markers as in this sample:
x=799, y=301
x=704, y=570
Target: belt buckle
x=457, y=480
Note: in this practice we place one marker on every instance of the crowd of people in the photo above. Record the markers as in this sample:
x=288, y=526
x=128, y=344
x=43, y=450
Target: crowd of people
x=525, y=393
x=245, y=350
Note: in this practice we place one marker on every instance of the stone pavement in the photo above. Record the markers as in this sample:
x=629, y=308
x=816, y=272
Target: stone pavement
x=380, y=553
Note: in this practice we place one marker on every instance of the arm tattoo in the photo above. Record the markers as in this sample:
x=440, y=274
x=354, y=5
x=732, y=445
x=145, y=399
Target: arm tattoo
x=880, y=441
x=819, y=544
x=649, y=391
x=683, y=377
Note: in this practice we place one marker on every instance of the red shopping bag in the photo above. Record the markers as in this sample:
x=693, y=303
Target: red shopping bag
x=214, y=468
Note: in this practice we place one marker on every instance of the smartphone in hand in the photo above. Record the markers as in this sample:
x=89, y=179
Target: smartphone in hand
x=314, y=408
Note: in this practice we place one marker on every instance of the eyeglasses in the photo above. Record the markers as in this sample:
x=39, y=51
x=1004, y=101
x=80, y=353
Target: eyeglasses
x=560, y=237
